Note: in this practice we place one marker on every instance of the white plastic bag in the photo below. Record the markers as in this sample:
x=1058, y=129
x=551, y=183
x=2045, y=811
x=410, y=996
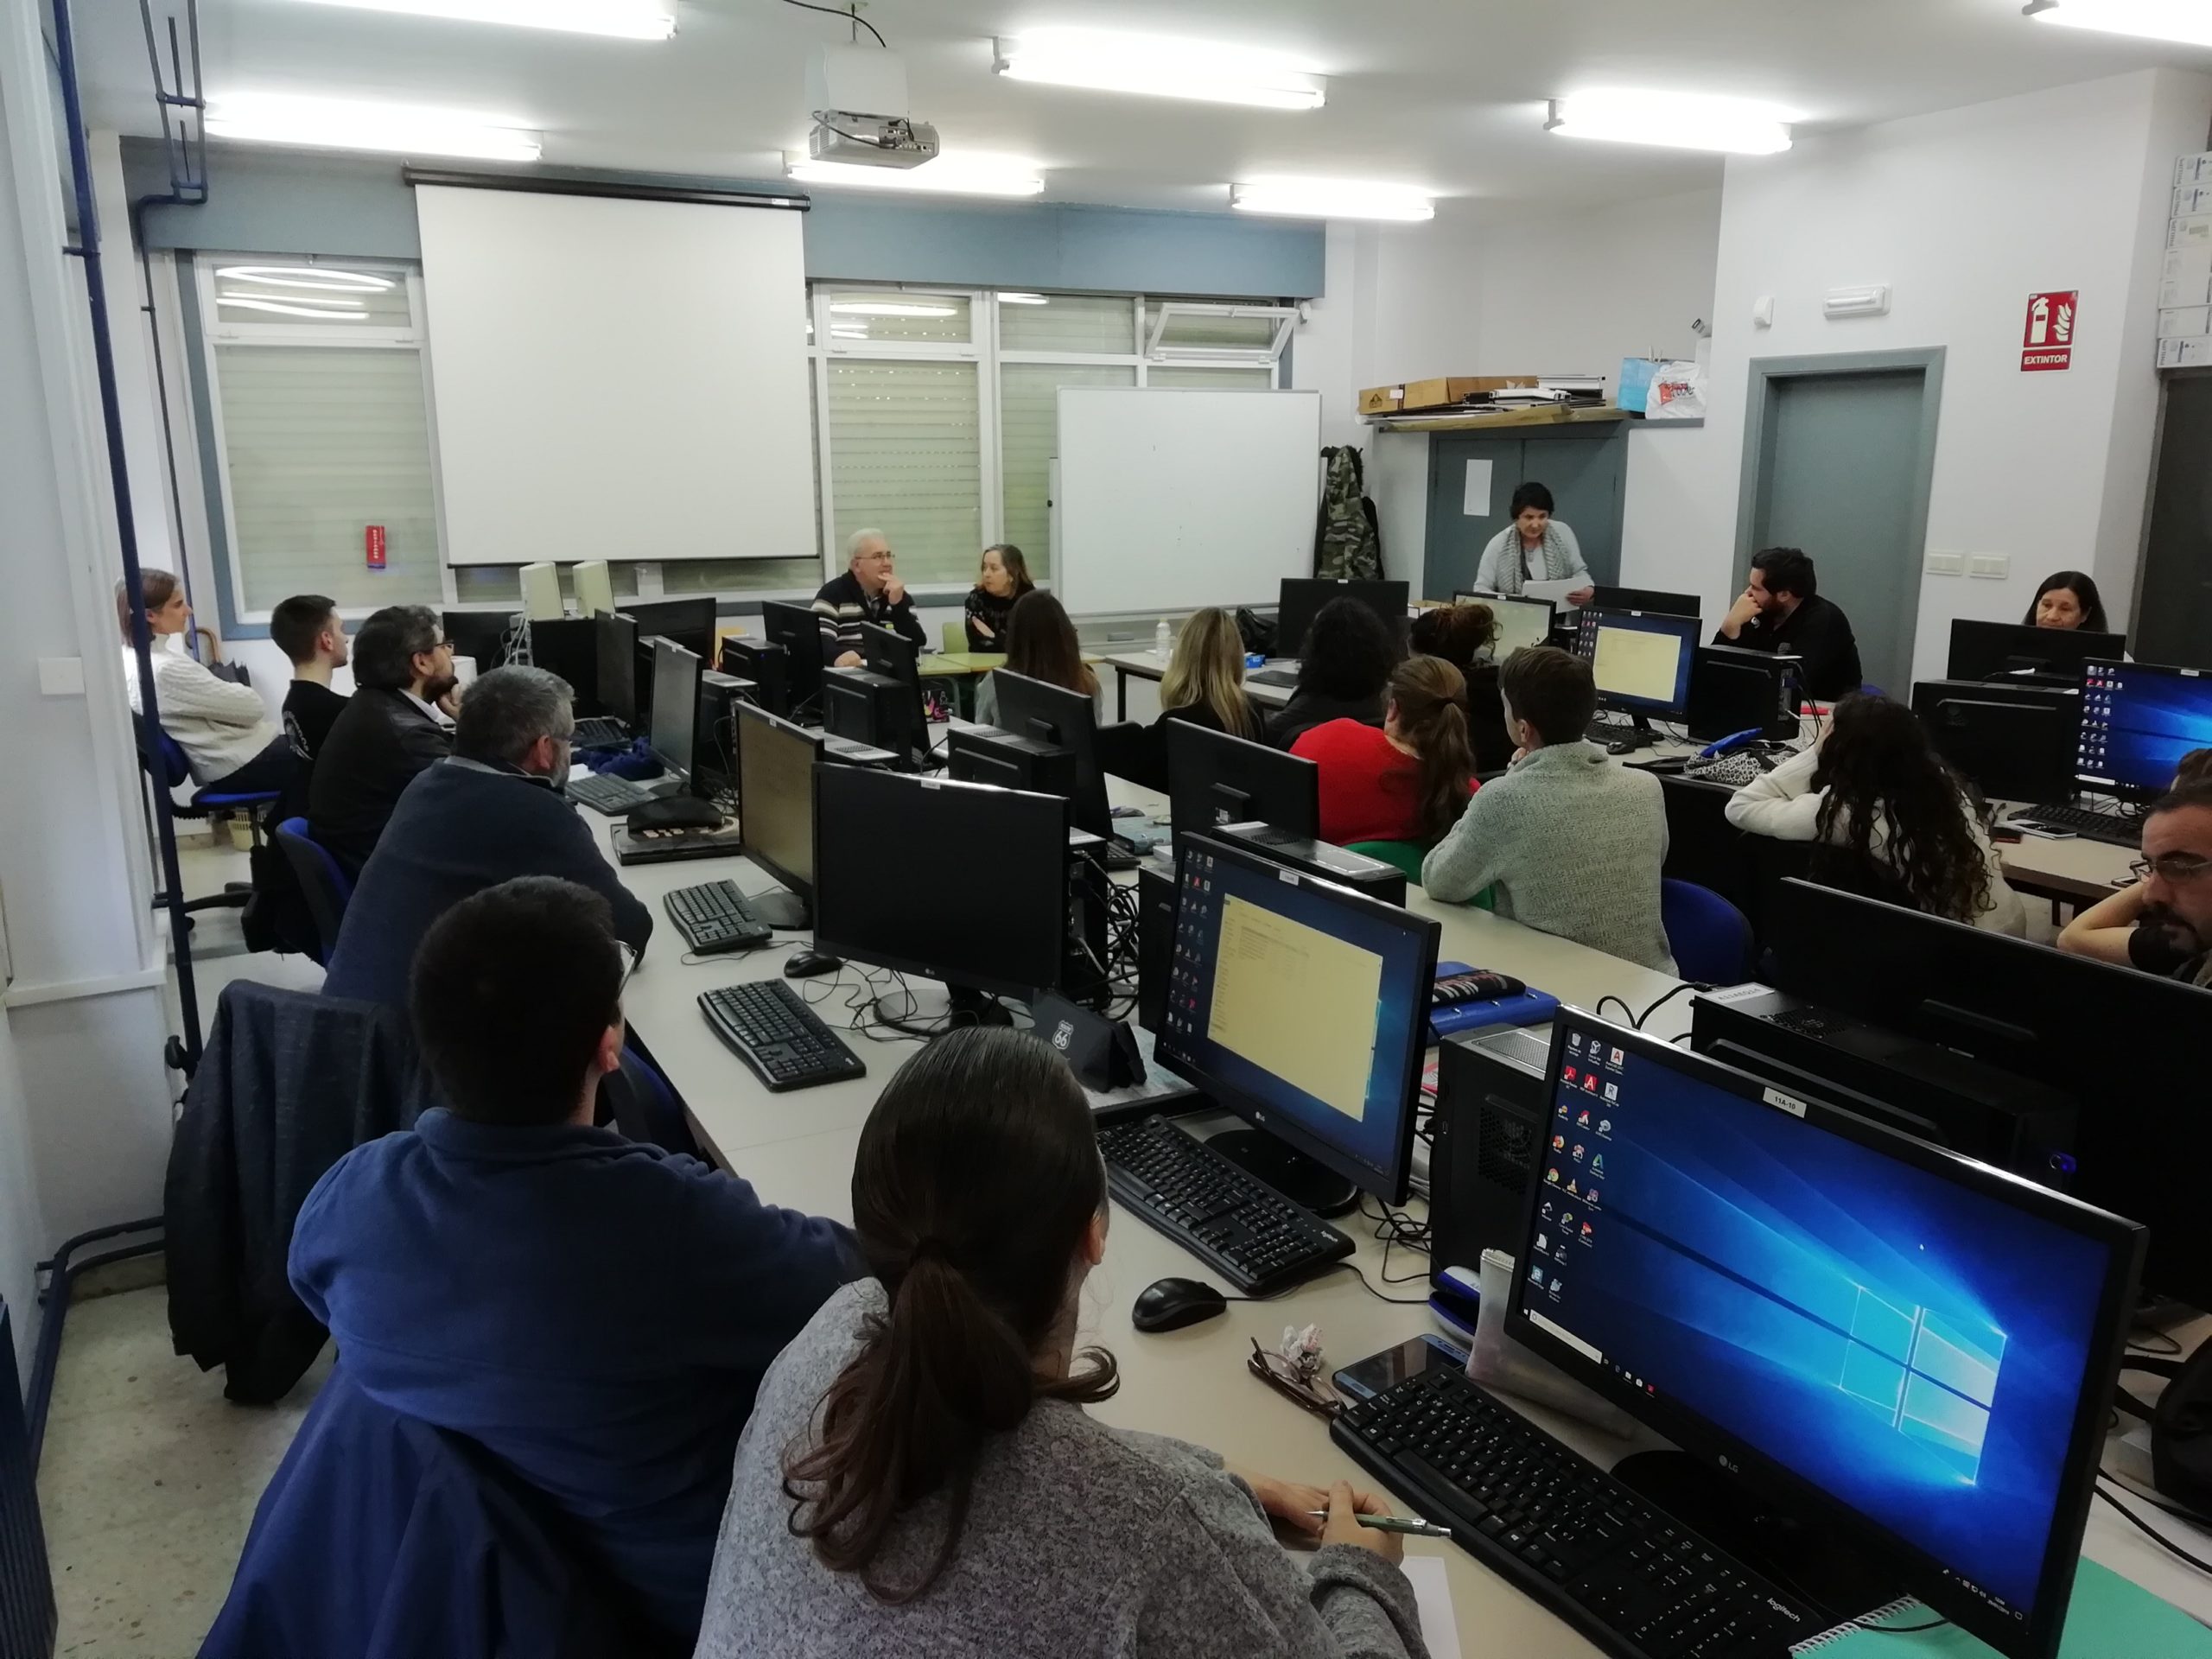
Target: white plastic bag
x=1498, y=1361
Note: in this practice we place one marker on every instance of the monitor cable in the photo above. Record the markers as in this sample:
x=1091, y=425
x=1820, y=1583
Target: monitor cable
x=2145, y=1527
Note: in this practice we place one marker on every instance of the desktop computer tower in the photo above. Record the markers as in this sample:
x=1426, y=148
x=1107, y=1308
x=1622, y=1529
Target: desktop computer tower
x=872, y=708
x=1319, y=858
x=1491, y=1094
x=714, y=744
x=984, y=756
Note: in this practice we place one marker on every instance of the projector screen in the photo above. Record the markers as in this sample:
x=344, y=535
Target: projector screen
x=617, y=379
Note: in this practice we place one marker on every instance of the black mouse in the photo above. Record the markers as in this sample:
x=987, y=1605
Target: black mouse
x=1171, y=1304
x=805, y=964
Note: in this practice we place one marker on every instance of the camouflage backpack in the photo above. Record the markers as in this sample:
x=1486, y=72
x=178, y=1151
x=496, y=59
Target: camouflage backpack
x=1347, y=542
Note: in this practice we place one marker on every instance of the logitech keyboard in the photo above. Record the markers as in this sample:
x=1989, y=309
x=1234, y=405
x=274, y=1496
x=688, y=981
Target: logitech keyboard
x=714, y=917
x=1559, y=1529
x=2087, y=823
x=1242, y=1228
x=773, y=1031
x=611, y=796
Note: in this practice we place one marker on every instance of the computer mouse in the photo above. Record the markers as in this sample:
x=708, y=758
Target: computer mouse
x=1620, y=746
x=675, y=812
x=1171, y=1304
x=805, y=964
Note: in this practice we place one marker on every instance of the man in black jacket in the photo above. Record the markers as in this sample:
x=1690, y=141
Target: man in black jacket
x=391, y=727
x=869, y=591
x=492, y=812
x=1782, y=611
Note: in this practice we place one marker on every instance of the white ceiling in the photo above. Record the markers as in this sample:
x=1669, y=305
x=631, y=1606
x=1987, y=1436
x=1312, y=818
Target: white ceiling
x=1442, y=93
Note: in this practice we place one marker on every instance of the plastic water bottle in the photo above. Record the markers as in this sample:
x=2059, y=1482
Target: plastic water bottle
x=1163, y=641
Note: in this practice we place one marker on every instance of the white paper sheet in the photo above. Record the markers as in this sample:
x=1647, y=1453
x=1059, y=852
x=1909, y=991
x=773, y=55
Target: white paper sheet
x=1439, y=1623
x=1476, y=503
x=1555, y=591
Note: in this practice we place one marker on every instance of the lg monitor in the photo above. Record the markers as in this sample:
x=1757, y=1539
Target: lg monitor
x=1989, y=651
x=1301, y=600
x=2137, y=720
x=766, y=667
x=1867, y=1347
x=1302, y=1008
x=595, y=584
x=674, y=724
x=2014, y=742
x=775, y=810
x=614, y=638
x=799, y=631
x=1052, y=713
x=1641, y=660
x=689, y=622
x=1645, y=599
x=1001, y=853
x=1215, y=778
x=1520, y=621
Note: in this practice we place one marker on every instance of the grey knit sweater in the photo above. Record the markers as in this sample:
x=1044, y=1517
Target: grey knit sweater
x=1083, y=1542
x=1572, y=841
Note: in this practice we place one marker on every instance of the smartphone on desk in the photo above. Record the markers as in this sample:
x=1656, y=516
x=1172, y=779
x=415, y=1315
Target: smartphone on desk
x=1379, y=1373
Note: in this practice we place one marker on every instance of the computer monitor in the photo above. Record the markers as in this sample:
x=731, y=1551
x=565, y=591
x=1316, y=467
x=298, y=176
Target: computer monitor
x=569, y=648
x=881, y=704
x=1052, y=713
x=1301, y=1007
x=689, y=622
x=799, y=631
x=775, y=810
x=1213, y=778
x=1640, y=660
x=480, y=636
x=615, y=637
x=595, y=584
x=2137, y=720
x=541, y=593
x=1521, y=621
x=971, y=850
x=1302, y=598
x=1644, y=598
x=674, y=723
x=1733, y=690
x=768, y=667
x=2142, y=1139
x=1902, y=1349
x=2015, y=742
x=1988, y=651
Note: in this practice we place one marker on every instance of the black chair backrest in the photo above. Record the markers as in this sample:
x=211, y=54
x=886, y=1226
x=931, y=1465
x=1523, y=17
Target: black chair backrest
x=27, y=1618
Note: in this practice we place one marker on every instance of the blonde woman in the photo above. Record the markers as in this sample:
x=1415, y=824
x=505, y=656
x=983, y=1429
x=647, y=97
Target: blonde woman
x=1204, y=682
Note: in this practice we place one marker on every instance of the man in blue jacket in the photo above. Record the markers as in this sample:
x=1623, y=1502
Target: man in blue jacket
x=594, y=1312
x=490, y=812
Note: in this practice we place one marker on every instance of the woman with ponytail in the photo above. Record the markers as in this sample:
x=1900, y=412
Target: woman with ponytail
x=919, y=1476
x=1410, y=781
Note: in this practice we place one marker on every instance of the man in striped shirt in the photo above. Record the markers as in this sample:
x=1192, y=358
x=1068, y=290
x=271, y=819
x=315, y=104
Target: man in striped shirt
x=869, y=591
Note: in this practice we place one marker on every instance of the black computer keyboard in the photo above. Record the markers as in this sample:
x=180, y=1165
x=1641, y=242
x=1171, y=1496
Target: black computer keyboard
x=609, y=795
x=715, y=916
x=779, y=1036
x=1242, y=1229
x=2087, y=823
x=598, y=732
x=1557, y=1528
x=1282, y=677
x=1611, y=731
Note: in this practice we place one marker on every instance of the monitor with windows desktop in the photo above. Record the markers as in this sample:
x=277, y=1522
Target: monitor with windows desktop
x=1521, y=621
x=1214, y=778
x=1641, y=661
x=2137, y=720
x=799, y=631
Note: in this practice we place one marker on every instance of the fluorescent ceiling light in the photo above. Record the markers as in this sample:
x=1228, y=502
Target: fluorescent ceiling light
x=630, y=20
x=1331, y=199
x=892, y=309
x=1023, y=299
x=315, y=278
x=957, y=175
x=341, y=123
x=2189, y=21
x=849, y=334
x=292, y=309
x=1672, y=120
x=1162, y=68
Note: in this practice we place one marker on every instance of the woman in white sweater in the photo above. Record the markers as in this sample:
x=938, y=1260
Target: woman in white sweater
x=1874, y=787
x=225, y=731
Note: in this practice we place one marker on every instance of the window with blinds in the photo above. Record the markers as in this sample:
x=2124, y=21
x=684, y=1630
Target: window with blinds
x=1085, y=324
x=905, y=456
x=1029, y=428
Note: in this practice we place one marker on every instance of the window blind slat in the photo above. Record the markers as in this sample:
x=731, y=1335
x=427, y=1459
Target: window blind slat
x=906, y=457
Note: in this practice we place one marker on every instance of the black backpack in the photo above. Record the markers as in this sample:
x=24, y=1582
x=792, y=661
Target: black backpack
x=2180, y=1425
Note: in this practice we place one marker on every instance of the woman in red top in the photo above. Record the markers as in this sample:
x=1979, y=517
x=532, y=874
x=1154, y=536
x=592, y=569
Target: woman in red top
x=1410, y=780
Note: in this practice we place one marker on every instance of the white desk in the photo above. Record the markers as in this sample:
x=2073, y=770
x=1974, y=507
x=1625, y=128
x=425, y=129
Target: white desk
x=798, y=1150
x=1151, y=666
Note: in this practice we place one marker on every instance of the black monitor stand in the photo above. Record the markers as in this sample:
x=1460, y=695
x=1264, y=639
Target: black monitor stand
x=1301, y=1179
x=783, y=909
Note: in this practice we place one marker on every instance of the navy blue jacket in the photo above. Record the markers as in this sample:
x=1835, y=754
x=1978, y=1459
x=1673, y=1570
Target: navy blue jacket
x=594, y=1312
x=459, y=829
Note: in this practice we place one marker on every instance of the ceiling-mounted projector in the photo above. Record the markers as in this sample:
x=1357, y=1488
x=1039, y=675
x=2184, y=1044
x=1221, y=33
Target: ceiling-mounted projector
x=858, y=95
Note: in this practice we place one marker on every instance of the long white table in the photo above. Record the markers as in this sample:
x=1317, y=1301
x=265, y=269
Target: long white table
x=798, y=1150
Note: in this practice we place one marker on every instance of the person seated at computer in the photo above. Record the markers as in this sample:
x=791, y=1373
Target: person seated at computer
x=1041, y=644
x=229, y=741
x=2163, y=924
x=394, y=725
x=307, y=630
x=1004, y=579
x=1465, y=636
x=1874, y=790
x=2067, y=599
x=1780, y=610
x=869, y=591
x=596, y=1312
x=1204, y=682
x=1568, y=841
x=1534, y=547
x=1343, y=674
x=490, y=813
x=921, y=1476
x=1408, y=781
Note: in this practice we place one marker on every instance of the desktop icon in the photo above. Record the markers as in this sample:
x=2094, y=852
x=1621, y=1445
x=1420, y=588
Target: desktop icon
x=1583, y=1121
x=1551, y=1175
x=1536, y=1276
x=1573, y=1188
x=1577, y=1152
x=1591, y=1196
x=1612, y=1091
x=1620, y=1058
x=1547, y=1209
x=1590, y=1082
x=1586, y=1229
x=1562, y=1109
x=1605, y=1126
x=1542, y=1244
x=1572, y=1074
x=1559, y=1143
x=1566, y=1219
x=1597, y=1163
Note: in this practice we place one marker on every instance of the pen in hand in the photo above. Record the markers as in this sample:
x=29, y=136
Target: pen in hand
x=1413, y=1524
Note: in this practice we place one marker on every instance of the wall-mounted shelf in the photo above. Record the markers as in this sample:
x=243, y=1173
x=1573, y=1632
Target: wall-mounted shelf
x=1494, y=420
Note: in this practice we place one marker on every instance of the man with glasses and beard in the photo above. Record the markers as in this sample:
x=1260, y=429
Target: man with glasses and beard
x=394, y=724
x=2162, y=925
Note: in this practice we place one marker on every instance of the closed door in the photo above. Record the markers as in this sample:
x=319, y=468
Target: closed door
x=1839, y=473
x=1581, y=465
x=2175, y=623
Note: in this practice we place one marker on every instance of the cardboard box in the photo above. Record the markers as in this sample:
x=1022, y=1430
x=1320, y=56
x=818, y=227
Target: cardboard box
x=1445, y=393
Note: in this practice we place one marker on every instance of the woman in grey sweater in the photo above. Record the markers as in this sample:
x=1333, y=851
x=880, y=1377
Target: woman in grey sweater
x=920, y=1477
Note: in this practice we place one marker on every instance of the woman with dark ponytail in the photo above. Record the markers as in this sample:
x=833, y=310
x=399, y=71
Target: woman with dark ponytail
x=919, y=1476
x=1410, y=781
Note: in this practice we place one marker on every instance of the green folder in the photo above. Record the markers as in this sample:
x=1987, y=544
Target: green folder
x=2110, y=1618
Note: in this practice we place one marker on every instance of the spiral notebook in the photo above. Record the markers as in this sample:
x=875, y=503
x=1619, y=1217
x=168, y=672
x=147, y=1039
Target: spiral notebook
x=2110, y=1618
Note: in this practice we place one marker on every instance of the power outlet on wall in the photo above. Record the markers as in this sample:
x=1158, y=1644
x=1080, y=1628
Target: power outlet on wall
x=1946, y=564
x=1998, y=565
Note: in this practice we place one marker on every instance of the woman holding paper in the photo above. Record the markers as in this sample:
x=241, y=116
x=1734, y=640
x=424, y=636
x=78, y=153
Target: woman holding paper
x=1534, y=547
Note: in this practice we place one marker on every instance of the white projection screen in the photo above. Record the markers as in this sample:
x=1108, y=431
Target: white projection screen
x=616, y=379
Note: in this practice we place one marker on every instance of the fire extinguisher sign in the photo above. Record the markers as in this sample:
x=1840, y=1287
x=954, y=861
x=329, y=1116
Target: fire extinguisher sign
x=2048, y=341
x=372, y=545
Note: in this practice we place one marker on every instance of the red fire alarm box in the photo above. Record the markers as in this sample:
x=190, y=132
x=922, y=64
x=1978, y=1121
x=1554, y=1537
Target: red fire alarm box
x=372, y=546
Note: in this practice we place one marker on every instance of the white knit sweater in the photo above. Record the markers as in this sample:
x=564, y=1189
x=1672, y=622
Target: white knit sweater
x=219, y=724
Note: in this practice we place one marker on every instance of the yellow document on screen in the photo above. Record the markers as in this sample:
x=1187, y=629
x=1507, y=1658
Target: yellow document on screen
x=1297, y=1002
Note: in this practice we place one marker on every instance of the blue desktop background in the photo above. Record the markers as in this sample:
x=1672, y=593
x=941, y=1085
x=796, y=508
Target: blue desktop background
x=1768, y=1275
x=1400, y=1017
x=2156, y=717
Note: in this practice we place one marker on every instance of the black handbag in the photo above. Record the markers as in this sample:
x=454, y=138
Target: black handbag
x=1257, y=632
x=2180, y=1425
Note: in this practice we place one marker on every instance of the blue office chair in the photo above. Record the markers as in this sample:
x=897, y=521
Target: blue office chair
x=163, y=760
x=1709, y=938
x=323, y=882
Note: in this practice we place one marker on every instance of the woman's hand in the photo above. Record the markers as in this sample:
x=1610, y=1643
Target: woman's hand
x=983, y=627
x=1582, y=596
x=1343, y=1526
x=1300, y=1508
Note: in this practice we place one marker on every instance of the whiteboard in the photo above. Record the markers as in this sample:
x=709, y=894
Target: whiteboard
x=1171, y=498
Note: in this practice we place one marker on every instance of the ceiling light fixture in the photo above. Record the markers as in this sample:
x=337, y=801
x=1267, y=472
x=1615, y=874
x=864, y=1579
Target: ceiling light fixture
x=1331, y=199
x=1672, y=121
x=954, y=176
x=315, y=278
x=629, y=20
x=2185, y=21
x=1023, y=299
x=891, y=309
x=1160, y=68
x=333, y=313
x=341, y=123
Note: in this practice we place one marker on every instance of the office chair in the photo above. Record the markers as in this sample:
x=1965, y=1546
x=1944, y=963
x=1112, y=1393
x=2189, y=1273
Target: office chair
x=952, y=637
x=1709, y=938
x=323, y=882
x=1132, y=750
x=163, y=760
x=27, y=1614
